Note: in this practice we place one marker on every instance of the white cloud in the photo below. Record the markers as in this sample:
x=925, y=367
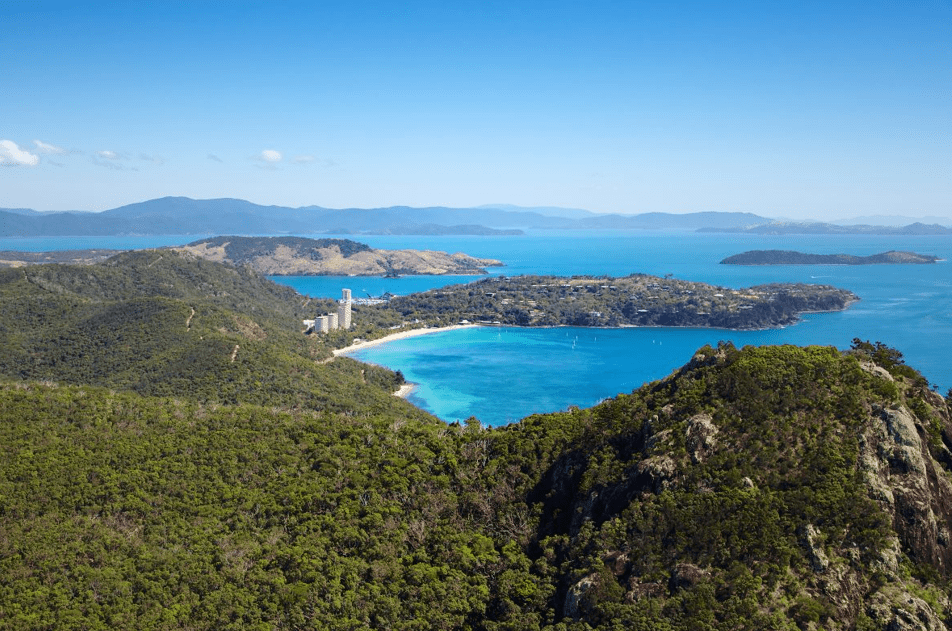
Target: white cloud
x=42, y=147
x=108, y=155
x=270, y=155
x=12, y=155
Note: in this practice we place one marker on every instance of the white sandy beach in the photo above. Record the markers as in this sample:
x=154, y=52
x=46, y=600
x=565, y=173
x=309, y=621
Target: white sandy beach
x=402, y=335
x=404, y=391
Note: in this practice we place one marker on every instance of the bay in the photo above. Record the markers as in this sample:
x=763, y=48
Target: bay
x=502, y=375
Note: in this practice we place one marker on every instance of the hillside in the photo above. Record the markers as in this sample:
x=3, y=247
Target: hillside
x=778, y=488
x=298, y=256
x=636, y=300
x=174, y=453
x=789, y=257
x=159, y=323
x=761, y=488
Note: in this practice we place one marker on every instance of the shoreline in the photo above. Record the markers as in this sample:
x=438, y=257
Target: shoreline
x=405, y=390
x=401, y=335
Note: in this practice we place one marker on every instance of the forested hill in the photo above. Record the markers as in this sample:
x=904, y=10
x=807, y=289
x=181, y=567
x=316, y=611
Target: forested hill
x=636, y=300
x=789, y=257
x=175, y=453
x=289, y=256
x=776, y=488
x=161, y=323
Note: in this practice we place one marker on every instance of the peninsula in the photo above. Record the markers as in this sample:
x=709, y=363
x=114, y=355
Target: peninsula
x=602, y=301
x=790, y=257
x=299, y=256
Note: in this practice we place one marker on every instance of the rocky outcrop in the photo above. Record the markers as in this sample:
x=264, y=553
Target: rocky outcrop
x=813, y=543
x=907, y=481
x=893, y=610
x=700, y=437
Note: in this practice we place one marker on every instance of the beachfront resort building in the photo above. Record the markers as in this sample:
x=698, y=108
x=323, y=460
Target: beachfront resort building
x=332, y=321
x=343, y=310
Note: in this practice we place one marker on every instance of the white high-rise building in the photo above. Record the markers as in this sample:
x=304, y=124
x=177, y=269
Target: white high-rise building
x=343, y=310
x=332, y=322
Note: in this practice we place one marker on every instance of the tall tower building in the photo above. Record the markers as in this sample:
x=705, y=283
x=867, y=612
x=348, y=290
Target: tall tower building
x=343, y=310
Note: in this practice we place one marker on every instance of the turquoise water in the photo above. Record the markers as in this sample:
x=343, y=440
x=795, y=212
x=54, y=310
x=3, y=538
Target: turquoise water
x=501, y=375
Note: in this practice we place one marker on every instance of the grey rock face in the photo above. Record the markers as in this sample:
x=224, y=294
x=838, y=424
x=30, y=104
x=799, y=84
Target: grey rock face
x=909, y=483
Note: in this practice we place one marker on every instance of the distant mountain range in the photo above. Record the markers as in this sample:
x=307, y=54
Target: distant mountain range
x=182, y=215
x=891, y=220
x=794, y=227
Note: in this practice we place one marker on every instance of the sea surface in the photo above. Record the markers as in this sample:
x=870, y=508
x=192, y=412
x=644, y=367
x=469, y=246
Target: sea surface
x=500, y=375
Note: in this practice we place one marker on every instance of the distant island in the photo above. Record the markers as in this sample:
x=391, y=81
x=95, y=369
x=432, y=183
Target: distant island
x=300, y=256
x=290, y=256
x=790, y=257
x=602, y=301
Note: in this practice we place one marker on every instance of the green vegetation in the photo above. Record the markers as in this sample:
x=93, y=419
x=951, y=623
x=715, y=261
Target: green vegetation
x=636, y=300
x=789, y=257
x=285, y=256
x=241, y=250
x=149, y=481
x=159, y=323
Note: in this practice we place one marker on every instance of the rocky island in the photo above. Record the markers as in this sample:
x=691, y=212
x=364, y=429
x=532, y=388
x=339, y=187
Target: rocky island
x=790, y=257
x=602, y=301
x=299, y=256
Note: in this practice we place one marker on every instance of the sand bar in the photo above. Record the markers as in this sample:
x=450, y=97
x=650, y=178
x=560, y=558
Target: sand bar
x=402, y=335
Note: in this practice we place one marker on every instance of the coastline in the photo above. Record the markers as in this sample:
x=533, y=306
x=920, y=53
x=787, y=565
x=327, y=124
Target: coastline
x=401, y=335
x=405, y=390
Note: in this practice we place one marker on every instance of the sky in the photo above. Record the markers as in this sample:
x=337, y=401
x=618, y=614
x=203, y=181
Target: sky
x=799, y=109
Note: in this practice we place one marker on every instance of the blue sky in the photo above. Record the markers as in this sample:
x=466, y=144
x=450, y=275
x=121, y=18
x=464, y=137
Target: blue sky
x=798, y=109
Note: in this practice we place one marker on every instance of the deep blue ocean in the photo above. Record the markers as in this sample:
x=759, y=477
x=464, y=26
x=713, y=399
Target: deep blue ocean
x=500, y=375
